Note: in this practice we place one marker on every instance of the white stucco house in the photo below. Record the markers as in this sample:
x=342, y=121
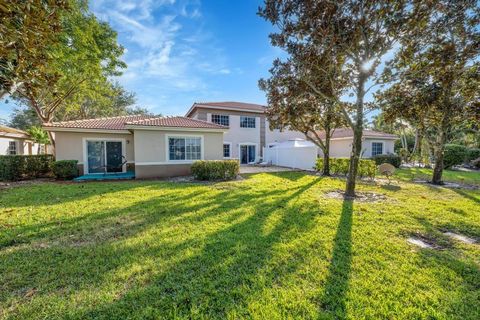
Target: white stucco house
x=16, y=142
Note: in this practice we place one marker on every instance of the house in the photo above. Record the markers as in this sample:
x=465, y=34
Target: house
x=152, y=147
x=14, y=141
x=248, y=128
x=373, y=143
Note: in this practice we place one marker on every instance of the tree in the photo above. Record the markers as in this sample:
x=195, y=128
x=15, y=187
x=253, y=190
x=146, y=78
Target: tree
x=83, y=54
x=27, y=30
x=355, y=34
x=23, y=118
x=292, y=105
x=437, y=74
x=39, y=136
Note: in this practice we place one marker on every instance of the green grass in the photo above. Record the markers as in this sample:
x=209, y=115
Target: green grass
x=272, y=246
x=408, y=174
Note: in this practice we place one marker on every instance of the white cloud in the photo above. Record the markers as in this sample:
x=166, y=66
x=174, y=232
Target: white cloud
x=160, y=48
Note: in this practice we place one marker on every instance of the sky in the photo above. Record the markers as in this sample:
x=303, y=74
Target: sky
x=183, y=51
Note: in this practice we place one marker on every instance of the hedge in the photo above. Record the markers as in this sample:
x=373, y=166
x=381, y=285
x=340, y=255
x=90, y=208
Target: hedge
x=215, y=169
x=65, y=169
x=393, y=159
x=339, y=166
x=16, y=167
x=472, y=154
x=454, y=154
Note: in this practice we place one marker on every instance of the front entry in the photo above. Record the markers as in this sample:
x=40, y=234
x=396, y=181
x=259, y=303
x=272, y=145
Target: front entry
x=104, y=156
x=247, y=154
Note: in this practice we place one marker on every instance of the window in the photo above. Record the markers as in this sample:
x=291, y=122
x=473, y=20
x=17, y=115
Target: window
x=221, y=119
x=377, y=148
x=226, y=150
x=12, y=148
x=184, y=148
x=247, y=122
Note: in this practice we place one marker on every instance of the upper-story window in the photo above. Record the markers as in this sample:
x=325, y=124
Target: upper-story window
x=247, y=122
x=12, y=147
x=221, y=119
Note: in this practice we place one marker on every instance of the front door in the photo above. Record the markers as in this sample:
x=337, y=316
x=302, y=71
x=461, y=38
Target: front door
x=104, y=156
x=247, y=154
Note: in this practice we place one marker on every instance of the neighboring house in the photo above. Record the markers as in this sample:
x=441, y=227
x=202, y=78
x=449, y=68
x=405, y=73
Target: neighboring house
x=248, y=129
x=373, y=143
x=153, y=147
x=14, y=141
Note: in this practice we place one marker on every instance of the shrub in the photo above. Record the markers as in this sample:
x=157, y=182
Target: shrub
x=12, y=167
x=38, y=165
x=454, y=154
x=65, y=169
x=215, y=169
x=339, y=166
x=472, y=154
x=476, y=163
x=393, y=159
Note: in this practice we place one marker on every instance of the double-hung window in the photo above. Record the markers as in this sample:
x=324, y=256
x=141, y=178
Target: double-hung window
x=226, y=150
x=247, y=122
x=377, y=148
x=184, y=148
x=221, y=119
x=12, y=148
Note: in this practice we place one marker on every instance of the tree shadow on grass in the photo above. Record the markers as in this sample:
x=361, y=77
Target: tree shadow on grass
x=209, y=275
x=336, y=285
x=468, y=195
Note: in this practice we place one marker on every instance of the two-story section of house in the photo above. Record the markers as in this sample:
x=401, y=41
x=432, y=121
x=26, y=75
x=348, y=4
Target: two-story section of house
x=248, y=131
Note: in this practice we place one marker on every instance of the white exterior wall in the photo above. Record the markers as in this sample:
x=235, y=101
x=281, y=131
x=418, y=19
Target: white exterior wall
x=4, y=146
x=341, y=148
x=276, y=135
x=237, y=136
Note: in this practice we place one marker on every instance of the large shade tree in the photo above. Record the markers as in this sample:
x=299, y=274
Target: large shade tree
x=292, y=105
x=357, y=33
x=77, y=64
x=436, y=74
x=28, y=30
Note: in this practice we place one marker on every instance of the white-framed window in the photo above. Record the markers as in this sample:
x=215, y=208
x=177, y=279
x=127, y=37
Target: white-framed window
x=221, y=119
x=247, y=122
x=12, y=148
x=184, y=148
x=377, y=148
x=226, y=150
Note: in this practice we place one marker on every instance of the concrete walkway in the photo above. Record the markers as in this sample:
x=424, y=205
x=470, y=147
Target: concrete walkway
x=259, y=169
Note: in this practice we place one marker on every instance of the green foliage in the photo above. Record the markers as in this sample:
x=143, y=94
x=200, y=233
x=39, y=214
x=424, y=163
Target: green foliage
x=339, y=166
x=16, y=167
x=65, y=169
x=215, y=169
x=454, y=154
x=472, y=154
x=38, y=135
x=393, y=159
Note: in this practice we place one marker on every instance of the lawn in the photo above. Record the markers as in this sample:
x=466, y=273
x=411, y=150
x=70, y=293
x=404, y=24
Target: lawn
x=409, y=174
x=272, y=246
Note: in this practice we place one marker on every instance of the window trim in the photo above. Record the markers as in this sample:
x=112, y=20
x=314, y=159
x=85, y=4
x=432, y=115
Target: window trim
x=254, y=122
x=15, y=143
x=220, y=115
x=230, y=150
x=85, y=152
x=371, y=148
x=167, y=147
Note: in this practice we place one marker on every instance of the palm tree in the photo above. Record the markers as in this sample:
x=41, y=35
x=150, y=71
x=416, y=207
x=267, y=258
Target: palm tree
x=39, y=136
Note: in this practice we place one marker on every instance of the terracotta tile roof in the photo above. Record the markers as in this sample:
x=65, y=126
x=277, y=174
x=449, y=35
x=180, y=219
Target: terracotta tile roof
x=13, y=133
x=229, y=105
x=121, y=122
x=180, y=122
x=347, y=133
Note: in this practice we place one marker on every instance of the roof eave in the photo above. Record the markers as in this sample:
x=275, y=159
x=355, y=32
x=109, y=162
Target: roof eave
x=162, y=128
x=94, y=130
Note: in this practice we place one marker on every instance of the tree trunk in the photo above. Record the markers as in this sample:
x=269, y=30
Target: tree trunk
x=439, y=149
x=326, y=154
x=357, y=139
